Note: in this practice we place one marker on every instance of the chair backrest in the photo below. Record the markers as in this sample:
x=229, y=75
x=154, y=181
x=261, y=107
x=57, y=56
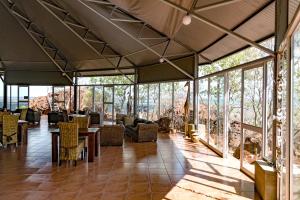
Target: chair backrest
x=2, y=114
x=82, y=122
x=23, y=114
x=68, y=134
x=10, y=128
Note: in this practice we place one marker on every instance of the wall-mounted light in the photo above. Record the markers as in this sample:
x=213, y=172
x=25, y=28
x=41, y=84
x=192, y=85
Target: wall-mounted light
x=187, y=19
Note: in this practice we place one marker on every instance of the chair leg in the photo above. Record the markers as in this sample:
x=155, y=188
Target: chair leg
x=59, y=163
x=75, y=163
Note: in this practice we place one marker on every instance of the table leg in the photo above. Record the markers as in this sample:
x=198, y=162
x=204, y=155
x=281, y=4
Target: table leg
x=54, y=148
x=24, y=129
x=97, y=144
x=91, y=148
x=19, y=134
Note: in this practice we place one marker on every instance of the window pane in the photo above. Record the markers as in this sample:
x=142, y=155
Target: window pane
x=295, y=157
x=23, y=93
x=39, y=97
x=100, y=80
x=166, y=99
x=14, y=97
x=98, y=99
x=86, y=98
x=269, y=111
x=108, y=94
x=108, y=112
x=252, y=149
x=216, y=112
x=180, y=92
x=234, y=115
x=203, y=109
x=122, y=99
x=58, y=98
x=253, y=91
x=143, y=101
x=153, y=101
x=1, y=94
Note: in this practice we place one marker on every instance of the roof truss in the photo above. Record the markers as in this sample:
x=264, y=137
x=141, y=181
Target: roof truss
x=136, y=39
x=56, y=56
x=84, y=38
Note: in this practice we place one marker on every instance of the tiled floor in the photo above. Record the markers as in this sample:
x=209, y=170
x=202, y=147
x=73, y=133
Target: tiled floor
x=171, y=169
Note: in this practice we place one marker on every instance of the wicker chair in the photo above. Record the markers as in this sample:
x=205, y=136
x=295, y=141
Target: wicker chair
x=70, y=147
x=23, y=114
x=2, y=114
x=10, y=130
x=112, y=135
x=82, y=122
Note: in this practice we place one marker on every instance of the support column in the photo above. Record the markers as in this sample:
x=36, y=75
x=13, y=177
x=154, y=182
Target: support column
x=196, y=91
x=135, y=94
x=281, y=25
x=75, y=93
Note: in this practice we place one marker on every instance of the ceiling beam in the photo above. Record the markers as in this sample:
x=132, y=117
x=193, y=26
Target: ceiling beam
x=219, y=27
x=137, y=40
x=101, y=2
x=41, y=2
x=215, y=5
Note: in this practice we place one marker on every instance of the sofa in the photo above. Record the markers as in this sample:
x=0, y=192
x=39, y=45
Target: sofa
x=31, y=115
x=142, y=130
x=111, y=135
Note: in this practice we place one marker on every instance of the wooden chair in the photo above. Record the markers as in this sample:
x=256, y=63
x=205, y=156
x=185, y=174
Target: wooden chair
x=10, y=130
x=71, y=147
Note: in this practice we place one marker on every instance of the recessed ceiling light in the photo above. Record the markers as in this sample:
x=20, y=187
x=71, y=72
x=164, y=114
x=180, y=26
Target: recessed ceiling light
x=161, y=60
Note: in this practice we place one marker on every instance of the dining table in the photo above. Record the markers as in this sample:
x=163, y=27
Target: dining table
x=93, y=142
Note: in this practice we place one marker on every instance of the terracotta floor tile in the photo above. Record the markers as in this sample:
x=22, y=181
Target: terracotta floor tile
x=173, y=168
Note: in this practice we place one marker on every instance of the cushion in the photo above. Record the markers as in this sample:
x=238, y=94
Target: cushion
x=128, y=120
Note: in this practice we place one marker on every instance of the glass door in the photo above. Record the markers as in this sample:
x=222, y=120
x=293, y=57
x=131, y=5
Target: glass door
x=23, y=96
x=216, y=112
x=252, y=118
x=108, y=103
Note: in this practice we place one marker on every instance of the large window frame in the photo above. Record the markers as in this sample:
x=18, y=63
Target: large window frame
x=224, y=153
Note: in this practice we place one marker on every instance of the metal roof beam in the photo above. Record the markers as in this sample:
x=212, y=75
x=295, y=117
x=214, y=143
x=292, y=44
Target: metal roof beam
x=219, y=27
x=137, y=40
x=214, y=5
x=101, y=2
